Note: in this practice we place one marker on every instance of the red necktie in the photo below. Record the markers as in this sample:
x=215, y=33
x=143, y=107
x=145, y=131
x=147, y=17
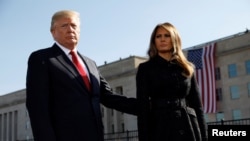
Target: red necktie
x=80, y=69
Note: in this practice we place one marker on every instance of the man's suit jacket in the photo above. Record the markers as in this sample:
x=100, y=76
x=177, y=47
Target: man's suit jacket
x=60, y=106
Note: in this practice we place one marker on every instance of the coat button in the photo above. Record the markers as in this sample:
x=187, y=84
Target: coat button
x=178, y=114
x=181, y=132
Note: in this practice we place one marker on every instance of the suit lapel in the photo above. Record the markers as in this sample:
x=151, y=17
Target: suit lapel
x=67, y=63
x=93, y=74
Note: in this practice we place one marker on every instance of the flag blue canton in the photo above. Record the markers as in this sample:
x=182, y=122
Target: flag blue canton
x=195, y=56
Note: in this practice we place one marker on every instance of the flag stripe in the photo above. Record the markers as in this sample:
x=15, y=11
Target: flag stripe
x=203, y=59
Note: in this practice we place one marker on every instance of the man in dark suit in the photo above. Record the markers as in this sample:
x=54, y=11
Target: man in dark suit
x=60, y=106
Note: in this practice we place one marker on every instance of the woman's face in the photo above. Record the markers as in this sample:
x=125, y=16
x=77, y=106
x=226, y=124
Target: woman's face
x=163, y=41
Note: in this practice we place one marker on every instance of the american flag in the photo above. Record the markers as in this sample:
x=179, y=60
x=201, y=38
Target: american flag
x=203, y=59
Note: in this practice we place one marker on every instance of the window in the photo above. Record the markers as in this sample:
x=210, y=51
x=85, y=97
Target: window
x=119, y=90
x=219, y=94
x=27, y=113
x=1, y=125
x=27, y=125
x=10, y=123
x=206, y=117
x=217, y=74
x=248, y=88
x=234, y=90
x=236, y=114
x=113, y=128
x=102, y=111
x=5, y=126
x=232, y=71
x=248, y=67
x=112, y=112
x=123, y=127
x=220, y=116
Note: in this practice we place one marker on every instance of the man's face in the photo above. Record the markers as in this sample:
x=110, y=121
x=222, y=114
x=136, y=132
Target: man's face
x=66, y=31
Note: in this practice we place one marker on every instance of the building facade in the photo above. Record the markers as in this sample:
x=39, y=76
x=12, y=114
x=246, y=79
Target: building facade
x=14, y=119
x=232, y=78
x=232, y=90
x=121, y=77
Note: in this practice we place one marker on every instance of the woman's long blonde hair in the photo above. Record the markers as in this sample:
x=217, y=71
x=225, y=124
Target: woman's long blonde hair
x=177, y=53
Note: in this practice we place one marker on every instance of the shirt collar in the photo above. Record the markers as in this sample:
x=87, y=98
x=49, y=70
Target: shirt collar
x=64, y=49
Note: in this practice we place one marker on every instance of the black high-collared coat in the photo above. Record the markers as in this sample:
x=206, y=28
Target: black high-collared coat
x=172, y=108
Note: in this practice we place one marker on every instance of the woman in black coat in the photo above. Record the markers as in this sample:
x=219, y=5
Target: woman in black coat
x=168, y=92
